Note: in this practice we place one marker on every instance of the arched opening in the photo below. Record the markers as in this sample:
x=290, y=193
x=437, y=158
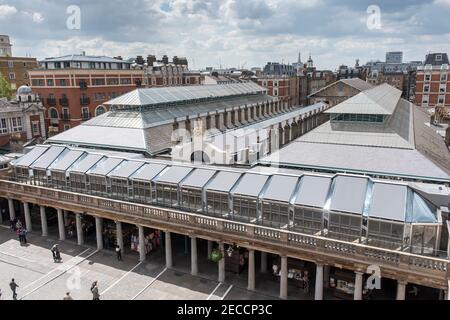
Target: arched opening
x=100, y=110
x=53, y=113
x=199, y=157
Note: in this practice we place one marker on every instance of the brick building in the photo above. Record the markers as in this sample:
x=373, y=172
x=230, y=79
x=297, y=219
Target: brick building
x=162, y=73
x=14, y=69
x=284, y=87
x=73, y=88
x=432, y=81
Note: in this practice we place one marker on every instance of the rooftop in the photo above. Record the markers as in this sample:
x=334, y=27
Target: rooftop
x=84, y=58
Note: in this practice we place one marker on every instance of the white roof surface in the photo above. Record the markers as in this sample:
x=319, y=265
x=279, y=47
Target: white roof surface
x=198, y=178
x=392, y=161
x=148, y=171
x=250, y=185
x=313, y=191
x=223, y=181
x=66, y=159
x=349, y=194
x=173, y=174
x=388, y=201
x=126, y=169
x=48, y=157
x=280, y=188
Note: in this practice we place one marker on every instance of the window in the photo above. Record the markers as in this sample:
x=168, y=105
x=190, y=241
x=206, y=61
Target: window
x=38, y=82
x=35, y=128
x=3, y=126
x=442, y=87
x=443, y=76
x=16, y=124
x=50, y=82
x=99, y=82
x=438, y=57
x=425, y=99
x=112, y=81
x=62, y=82
x=426, y=88
x=53, y=113
x=441, y=99
x=125, y=81
x=12, y=76
x=100, y=110
x=275, y=92
x=427, y=77
x=10, y=64
x=85, y=112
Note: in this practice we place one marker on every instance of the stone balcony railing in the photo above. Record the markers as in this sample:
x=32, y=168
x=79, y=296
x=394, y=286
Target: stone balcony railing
x=413, y=268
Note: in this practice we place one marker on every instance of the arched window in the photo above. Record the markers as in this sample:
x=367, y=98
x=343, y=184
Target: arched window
x=53, y=113
x=100, y=110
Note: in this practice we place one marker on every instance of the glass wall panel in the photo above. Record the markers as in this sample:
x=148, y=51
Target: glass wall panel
x=97, y=185
x=307, y=220
x=217, y=203
x=345, y=227
x=40, y=177
x=244, y=209
x=142, y=191
x=167, y=195
x=191, y=199
x=119, y=188
x=275, y=214
x=59, y=180
x=423, y=240
x=77, y=182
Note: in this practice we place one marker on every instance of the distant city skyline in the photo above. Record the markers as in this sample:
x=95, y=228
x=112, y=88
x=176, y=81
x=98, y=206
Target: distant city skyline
x=229, y=33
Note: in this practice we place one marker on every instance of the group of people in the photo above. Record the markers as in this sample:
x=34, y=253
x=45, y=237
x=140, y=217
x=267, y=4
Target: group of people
x=151, y=241
x=20, y=230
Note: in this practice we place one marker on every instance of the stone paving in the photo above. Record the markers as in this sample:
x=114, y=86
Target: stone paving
x=40, y=278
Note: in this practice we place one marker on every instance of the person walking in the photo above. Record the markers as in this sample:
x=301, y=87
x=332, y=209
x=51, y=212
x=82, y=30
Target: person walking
x=24, y=235
x=94, y=290
x=56, y=254
x=119, y=253
x=67, y=296
x=13, y=285
x=19, y=234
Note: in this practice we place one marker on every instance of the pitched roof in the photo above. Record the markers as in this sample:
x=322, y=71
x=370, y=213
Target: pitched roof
x=355, y=83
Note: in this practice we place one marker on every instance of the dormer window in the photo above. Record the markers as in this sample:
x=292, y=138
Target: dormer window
x=439, y=57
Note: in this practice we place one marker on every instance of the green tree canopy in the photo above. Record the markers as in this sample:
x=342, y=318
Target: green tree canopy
x=5, y=88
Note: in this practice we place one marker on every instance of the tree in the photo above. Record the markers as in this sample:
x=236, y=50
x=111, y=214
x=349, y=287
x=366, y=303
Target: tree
x=5, y=88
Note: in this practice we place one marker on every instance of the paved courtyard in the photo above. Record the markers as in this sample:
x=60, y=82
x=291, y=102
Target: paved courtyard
x=40, y=278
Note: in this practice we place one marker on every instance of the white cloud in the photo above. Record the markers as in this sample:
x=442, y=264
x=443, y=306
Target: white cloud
x=442, y=2
x=37, y=17
x=7, y=10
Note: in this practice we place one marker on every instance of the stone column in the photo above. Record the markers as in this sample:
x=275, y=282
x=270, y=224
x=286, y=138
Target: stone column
x=66, y=216
x=12, y=212
x=210, y=247
x=61, y=225
x=318, y=293
x=119, y=235
x=221, y=264
x=401, y=289
x=26, y=211
x=358, y=285
x=251, y=270
x=80, y=237
x=221, y=121
x=44, y=221
x=194, y=262
x=283, y=278
x=142, y=253
x=168, y=247
x=263, y=262
x=99, y=232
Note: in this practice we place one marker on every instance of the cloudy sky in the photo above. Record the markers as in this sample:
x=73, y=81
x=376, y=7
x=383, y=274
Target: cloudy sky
x=230, y=32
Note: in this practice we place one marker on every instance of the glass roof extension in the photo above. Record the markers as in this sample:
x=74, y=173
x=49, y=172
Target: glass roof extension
x=388, y=201
x=148, y=172
x=280, y=188
x=313, y=191
x=223, y=181
x=349, y=194
x=198, y=178
x=30, y=157
x=86, y=162
x=173, y=174
x=250, y=185
x=44, y=161
x=126, y=169
x=104, y=166
x=66, y=159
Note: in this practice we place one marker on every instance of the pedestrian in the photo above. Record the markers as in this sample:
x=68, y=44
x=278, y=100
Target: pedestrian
x=13, y=285
x=18, y=224
x=19, y=233
x=119, y=253
x=24, y=235
x=67, y=296
x=55, y=252
x=94, y=290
